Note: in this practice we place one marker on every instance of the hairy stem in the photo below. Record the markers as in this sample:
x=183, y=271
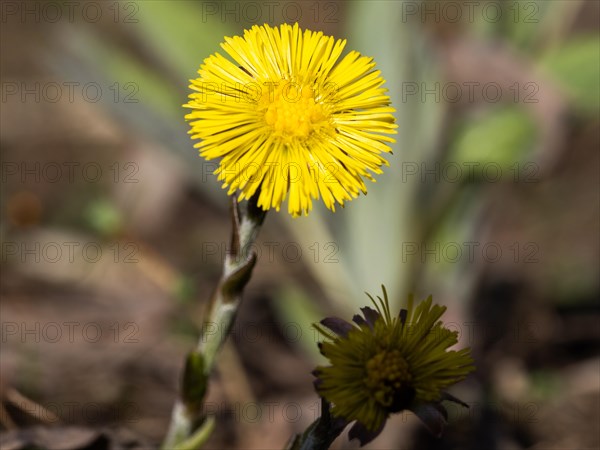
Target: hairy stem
x=321, y=433
x=188, y=416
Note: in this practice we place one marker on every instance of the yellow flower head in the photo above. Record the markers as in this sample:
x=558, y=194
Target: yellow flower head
x=384, y=365
x=285, y=117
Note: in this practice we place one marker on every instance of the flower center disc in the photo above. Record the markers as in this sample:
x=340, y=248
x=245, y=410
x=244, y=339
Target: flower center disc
x=388, y=379
x=291, y=111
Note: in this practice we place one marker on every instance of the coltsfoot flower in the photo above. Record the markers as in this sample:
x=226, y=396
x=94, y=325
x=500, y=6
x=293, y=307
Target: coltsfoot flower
x=384, y=365
x=288, y=120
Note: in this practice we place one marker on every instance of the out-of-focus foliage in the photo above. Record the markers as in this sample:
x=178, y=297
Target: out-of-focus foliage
x=575, y=65
x=500, y=136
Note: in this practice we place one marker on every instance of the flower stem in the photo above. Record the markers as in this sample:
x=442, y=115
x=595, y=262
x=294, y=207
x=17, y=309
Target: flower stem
x=188, y=415
x=321, y=433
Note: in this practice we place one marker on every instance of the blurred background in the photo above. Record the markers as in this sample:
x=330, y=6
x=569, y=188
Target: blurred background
x=113, y=229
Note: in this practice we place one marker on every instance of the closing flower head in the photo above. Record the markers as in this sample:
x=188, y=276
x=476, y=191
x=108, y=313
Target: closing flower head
x=287, y=120
x=384, y=365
